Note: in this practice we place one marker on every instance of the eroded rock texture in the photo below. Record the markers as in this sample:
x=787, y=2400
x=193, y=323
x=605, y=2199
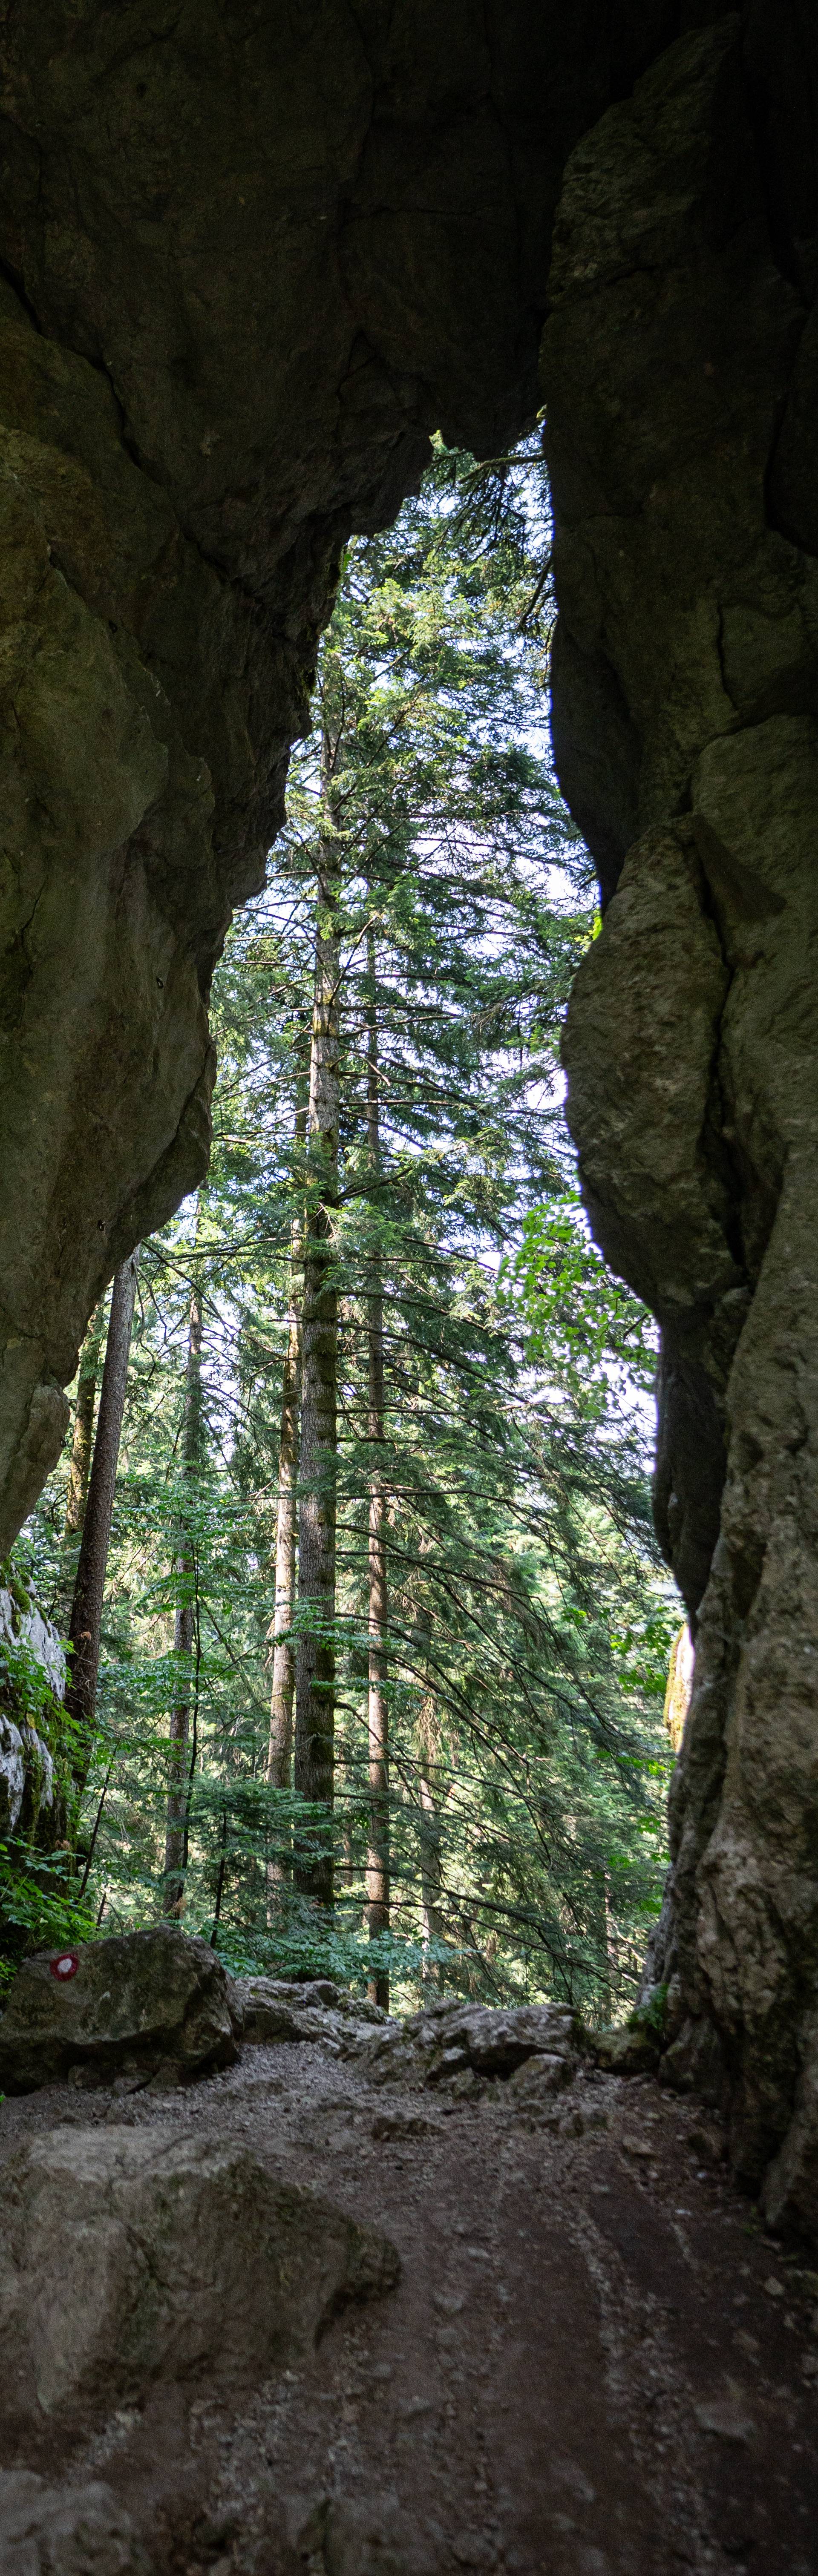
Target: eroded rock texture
x=207, y=2268
x=152, y=2005
x=683, y=437
x=252, y=256
x=65, y=2531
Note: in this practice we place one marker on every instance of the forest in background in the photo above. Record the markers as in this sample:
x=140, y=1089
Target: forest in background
x=385, y=1634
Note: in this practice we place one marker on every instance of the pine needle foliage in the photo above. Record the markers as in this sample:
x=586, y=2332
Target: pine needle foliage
x=528, y=1615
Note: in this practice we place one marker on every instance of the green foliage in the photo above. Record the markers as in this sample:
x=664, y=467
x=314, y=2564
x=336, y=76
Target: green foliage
x=652, y=2015
x=39, y=1905
x=309, y=1944
x=527, y=1607
x=578, y=1316
x=12, y=1582
x=36, y=1899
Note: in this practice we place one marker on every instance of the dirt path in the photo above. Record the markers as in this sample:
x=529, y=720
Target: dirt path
x=595, y=2364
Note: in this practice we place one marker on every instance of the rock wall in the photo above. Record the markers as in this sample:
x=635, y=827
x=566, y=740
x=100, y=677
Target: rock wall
x=32, y=1689
x=249, y=259
x=680, y=375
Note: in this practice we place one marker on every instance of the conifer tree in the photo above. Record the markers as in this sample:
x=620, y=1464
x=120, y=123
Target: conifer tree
x=89, y=1587
x=315, y=1652
x=279, y=1750
x=377, y=1867
x=480, y=1619
x=82, y=1442
x=185, y=1617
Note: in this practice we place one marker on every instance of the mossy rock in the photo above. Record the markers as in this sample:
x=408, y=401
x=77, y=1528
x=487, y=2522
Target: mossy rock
x=143, y=2003
x=626, y=2051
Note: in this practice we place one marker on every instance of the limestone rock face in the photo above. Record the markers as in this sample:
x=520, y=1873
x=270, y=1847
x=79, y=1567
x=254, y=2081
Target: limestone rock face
x=450, y=2041
x=147, y=2003
x=268, y=2009
x=65, y=2531
x=131, y=2259
x=32, y=1806
x=678, y=360
x=250, y=259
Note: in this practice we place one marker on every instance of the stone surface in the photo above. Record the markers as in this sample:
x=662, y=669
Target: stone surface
x=146, y=2004
x=28, y=1627
x=248, y=264
x=563, y=2298
x=130, y=2260
x=65, y=2531
x=346, y=2538
x=451, y=2044
x=538, y=2076
x=678, y=363
x=267, y=2009
x=625, y=2052
x=32, y=1803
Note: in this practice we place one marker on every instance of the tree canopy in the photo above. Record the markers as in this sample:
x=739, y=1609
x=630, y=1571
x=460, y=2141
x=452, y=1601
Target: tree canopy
x=383, y=1328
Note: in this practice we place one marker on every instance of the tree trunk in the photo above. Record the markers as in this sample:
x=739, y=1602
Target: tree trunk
x=315, y=1653
x=89, y=1588
x=220, y=1880
x=184, y=1630
x=82, y=1444
x=605, y=1989
x=431, y=1871
x=431, y=1874
x=377, y=1864
x=279, y=1753
x=80, y=1466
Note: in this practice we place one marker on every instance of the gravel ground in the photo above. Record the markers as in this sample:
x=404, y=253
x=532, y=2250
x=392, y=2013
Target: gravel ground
x=595, y=2363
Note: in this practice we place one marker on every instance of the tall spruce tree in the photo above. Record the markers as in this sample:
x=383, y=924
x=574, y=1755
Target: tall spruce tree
x=185, y=1626
x=315, y=1652
x=480, y=1619
x=89, y=1587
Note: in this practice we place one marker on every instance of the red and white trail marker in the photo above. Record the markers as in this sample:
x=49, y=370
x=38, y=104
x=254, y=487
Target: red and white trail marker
x=66, y=1965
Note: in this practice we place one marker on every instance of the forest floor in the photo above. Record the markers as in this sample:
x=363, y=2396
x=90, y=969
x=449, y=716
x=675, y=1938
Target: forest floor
x=595, y=2362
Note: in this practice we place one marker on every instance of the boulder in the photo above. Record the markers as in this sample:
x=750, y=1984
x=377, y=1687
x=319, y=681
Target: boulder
x=130, y=2259
x=274, y=2008
x=626, y=2051
x=147, y=2003
x=495, y=2042
x=539, y=2078
x=28, y=1641
x=65, y=2531
x=447, y=2040
x=695, y=2063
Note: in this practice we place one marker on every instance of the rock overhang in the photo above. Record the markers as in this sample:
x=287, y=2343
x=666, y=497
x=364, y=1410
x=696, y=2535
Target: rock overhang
x=251, y=260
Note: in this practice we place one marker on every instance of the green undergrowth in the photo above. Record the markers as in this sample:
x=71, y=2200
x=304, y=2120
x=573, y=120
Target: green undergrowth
x=650, y=2016
x=39, y=1907
x=303, y=1947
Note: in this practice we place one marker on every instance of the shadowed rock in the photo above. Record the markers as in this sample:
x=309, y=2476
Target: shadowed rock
x=65, y=2531
x=451, y=2039
x=250, y=261
x=682, y=446
x=148, y=2003
x=131, y=2259
x=267, y=2009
